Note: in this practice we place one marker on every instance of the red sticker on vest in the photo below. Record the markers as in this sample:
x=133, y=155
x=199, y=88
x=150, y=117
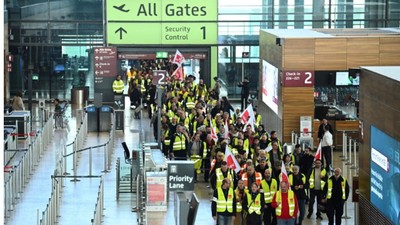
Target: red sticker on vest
x=291, y=199
x=257, y=202
x=229, y=196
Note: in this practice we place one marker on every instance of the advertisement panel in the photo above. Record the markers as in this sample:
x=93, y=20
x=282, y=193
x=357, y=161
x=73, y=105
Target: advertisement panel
x=270, y=86
x=164, y=22
x=385, y=174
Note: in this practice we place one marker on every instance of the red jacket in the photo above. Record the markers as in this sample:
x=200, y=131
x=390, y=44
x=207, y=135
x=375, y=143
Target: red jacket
x=285, y=206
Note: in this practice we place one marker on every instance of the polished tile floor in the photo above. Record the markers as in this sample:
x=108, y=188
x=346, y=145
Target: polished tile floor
x=79, y=198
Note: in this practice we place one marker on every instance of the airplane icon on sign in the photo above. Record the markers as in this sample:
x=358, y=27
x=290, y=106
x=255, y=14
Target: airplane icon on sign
x=121, y=8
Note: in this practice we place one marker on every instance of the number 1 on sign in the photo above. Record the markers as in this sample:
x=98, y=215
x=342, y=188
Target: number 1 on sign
x=203, y=28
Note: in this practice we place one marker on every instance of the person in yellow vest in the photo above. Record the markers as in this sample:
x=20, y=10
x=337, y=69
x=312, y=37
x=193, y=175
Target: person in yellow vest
x=222, y=173
x=179, y=143
x=299, y=185
x=317, y=180
x=240, y=193
x=335, y=194
x=253, y=205
x=118, y=89
x=196, y=148
x=223, y=205
x=269, y=186
x=285, y=204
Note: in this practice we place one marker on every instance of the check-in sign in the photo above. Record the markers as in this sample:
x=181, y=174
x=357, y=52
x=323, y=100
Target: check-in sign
x=298, y=78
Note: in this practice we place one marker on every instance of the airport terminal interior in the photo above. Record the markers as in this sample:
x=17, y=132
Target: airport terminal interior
x=87, y=147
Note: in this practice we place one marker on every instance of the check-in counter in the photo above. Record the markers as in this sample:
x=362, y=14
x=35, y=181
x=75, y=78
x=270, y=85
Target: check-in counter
x=338, y=126
x=10, y=142
x=21, y=119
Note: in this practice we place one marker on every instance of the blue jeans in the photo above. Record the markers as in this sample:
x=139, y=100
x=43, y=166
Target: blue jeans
x=286, y=221
x=224, y=220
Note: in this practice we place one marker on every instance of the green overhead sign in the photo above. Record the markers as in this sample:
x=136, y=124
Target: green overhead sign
x=162, y=22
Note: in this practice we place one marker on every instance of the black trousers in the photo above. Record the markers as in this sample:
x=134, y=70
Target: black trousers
x=269, y=215
x=327, y=154
x=243, y=102
x=313, y=194
x=334, y=210
x=206, y=168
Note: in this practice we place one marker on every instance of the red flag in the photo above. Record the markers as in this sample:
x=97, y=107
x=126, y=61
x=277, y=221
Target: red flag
x=178, y=58
x=248, y=117
x=231, y=160
x=178, y=73
x=284, y=175
x=226, y=127
x=318, y=154
x=213, y=133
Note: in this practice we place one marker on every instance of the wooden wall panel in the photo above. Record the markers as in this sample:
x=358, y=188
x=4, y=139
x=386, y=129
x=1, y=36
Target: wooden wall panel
x=298, y=54
x=389, y=59
x=357, y=60
x=363, y=46
x=330, y=45
x=330, y=54
x=389, y=44
x=296, y=102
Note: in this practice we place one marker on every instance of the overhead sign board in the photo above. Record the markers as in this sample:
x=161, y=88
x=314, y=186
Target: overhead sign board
x=180, y=175
x=298, y=78
x=159, y=77
x=105, y=63
x=162, y=55
x=175, y=22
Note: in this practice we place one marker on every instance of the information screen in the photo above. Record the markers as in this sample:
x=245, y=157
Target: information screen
x=385, y=174
x=270, y=86
x=162, y=22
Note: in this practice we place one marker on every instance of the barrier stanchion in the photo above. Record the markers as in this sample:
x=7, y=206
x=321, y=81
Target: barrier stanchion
x=349, y=152
x=74, y=156
x=354, y=166
x=105, y=159
x=343, y=144
x=90, y=161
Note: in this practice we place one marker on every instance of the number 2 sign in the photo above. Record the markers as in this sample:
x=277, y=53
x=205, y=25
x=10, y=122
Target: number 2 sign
x=298, y=78
x=159, y=77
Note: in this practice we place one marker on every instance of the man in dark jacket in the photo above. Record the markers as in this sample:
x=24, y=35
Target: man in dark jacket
x=298, y=183
x=245, y=85
x=335, y=193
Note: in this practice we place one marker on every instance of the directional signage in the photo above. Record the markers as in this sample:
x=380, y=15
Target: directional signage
x=161, y=55
x=298, y=78
x=175, y=22
x=159, y=77
x=105, y=63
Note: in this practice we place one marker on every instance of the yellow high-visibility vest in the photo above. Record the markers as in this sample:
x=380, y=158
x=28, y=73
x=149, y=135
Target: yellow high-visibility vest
x=118, y=86
x=179, y=143
x=254, y=206
x=291, y=202
x=269, y=191
x=225, y=204
x=312, y=179
x=239, y=206
x=330, y=186
x=220, y=177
